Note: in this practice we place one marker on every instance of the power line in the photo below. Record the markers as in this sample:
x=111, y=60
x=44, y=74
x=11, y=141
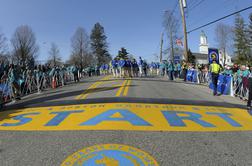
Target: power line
x=200, y=2
x=175, y=7
x=226, y=3
x=250, y=7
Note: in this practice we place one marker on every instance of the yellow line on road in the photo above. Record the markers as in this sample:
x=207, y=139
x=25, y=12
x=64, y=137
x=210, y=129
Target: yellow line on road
x=121, y=88
x=85, y=91
x=90, y=89
x=126, y=90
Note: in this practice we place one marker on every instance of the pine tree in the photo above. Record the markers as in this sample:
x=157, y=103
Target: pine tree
x=191, y=57
x=122, y=54
x=99, y=44
x=241, y=42
x=250, y=35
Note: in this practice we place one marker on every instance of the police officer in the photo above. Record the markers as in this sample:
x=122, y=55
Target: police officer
x=215, y=70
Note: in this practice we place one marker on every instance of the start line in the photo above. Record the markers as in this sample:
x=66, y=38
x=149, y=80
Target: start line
x=124, y=116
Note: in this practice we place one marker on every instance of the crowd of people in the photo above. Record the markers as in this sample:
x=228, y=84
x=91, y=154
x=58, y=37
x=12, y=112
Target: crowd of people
x=24, y=80
x=17, y=81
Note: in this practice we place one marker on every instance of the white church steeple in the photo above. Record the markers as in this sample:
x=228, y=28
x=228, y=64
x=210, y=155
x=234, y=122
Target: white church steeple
x=203, y=47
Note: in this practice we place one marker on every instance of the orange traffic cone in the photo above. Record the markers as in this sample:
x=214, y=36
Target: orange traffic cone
x=53, y=83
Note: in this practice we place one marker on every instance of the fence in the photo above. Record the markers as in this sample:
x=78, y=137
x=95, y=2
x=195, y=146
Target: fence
x=32, y=84
x=228, y=85
x=241, y=88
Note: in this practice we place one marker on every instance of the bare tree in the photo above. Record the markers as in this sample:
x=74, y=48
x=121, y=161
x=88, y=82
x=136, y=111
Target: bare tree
x=171, y=25
x=80, y=48
x=224, y=35
x=3, y=45
x=3, y=48
x=25, y=49
x=54, y=56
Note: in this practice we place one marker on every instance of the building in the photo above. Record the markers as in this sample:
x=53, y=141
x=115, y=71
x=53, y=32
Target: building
x=202, y=56
x=203, y=46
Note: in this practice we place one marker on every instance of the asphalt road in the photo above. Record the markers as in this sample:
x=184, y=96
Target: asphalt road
x=36, y=146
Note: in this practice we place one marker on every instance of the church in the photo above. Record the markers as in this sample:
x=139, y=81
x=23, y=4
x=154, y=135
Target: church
x=202, y=56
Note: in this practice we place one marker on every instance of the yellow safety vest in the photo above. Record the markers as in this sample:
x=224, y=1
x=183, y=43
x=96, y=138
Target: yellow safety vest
x=215, y=68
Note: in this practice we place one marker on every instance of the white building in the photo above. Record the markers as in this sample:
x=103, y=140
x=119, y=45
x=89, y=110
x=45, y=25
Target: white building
x=202, y=56
x=203, y=46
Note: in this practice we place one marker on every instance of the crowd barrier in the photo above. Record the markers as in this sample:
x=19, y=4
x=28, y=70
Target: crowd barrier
x=192, y=76
x=224, y=86
x=33, y=84
x=241, y=88
x=227, y=85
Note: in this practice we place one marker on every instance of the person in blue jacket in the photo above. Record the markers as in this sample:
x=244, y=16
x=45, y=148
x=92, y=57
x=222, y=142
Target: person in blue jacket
x=122, y=63
x=114, y=64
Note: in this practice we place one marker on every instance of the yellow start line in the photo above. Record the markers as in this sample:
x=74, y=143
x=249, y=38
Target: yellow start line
x=127, y=116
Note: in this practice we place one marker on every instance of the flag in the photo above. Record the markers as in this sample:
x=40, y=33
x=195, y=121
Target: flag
x=213, y=54
x=179, y=42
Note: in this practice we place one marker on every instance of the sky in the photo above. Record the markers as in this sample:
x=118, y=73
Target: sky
x=133, y=24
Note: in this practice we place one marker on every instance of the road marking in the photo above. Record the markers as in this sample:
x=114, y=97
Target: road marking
x=110, y=155
x=121, y=88
x=91, y=88
x=127, y=116
x=126, y=90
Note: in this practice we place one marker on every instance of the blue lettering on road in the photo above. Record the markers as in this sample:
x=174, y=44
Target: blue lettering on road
x=226, y=117
x=126, y=116
x=177, y=120
x=60, y=116
x=21, y=118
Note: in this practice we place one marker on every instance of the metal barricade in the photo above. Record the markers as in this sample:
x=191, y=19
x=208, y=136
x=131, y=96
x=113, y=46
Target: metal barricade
x=241, y=87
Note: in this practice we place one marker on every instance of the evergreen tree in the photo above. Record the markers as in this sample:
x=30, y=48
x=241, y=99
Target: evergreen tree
x=191, y=57
x=122, y=54
x=241, y=42
x=250, y=31
x=99, y=44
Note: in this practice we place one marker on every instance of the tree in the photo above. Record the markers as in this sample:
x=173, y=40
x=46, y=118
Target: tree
x=171, y=25
x=54, y=56
x=250, y=31
x=3, y=45
x=191, y=57
x=223, y=35
x=241, y=42
x=99, y=44
x=122, y=54
x=25, y=49
x=80, y=48
x=3, y=48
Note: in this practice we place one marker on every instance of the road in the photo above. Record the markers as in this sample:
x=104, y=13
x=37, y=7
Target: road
x=174, y=123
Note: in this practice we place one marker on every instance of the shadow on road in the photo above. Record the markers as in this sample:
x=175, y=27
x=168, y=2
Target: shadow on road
x=43, y=100
x=38, y=102
x=148, y=79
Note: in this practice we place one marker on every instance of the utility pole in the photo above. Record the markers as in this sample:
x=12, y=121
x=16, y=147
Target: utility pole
x=161, y=47
x=182, y=7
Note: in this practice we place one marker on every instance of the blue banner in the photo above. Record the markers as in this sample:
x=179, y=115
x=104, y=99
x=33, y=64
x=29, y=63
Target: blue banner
x=191, y=76
x=213, y=54
x=224, y=84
